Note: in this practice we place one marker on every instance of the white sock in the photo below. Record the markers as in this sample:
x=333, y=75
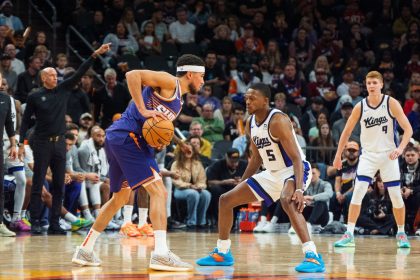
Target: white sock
x=401, y=228
x=86, y=213
x=263, y=219
x=90, y=240
x=16, y=216
x=70, y=217
x=127, y=213
x=23, y=214
x=274, y=220
x=142, y=216
x=223, y=246
x=350, y=227
x=309, y=246
x=161, y=248
x=96, y=212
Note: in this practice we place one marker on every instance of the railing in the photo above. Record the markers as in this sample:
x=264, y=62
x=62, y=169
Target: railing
x=319, y=154
x=71, y=30
x=52, y=23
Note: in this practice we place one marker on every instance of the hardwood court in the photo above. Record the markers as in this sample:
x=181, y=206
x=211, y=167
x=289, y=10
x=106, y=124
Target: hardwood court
x=260, y=256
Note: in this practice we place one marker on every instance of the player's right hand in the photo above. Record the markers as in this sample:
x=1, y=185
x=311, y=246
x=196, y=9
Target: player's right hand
x=153, y=114
x=337, y=162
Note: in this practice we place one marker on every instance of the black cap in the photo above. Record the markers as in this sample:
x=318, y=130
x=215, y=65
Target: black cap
x=233, y=153
x=347, y=105
x=317, y=100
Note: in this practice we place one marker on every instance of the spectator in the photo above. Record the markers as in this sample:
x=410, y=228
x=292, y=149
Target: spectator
x=325, y=145
x=225, y=112
x=98, y=29
x=263, y=71
x=410, y=183
x=391, y=83
x=161, y=29
x=301, y=49
x=309, y=118
x=232, y=67
x=354, y=93
x=261, y=30
x=298, y=132
x=190, y=110
x=348, y=78
x=113, y=98
x=247, y=9
x=236, y=30
x=206, y=96
x=235, y=128
x=214, y=74
x=339, y=125
x=130, y=24
x=121, y=43
x=87, y=87
x=293, y=86
x=221, y=44
x=191, y=186
x=181, y=30
x=200, y=14
x=196, y=143
x=196, y=129
x=17, y=64
x=247, y=56
x=255, y=43
x=28, y=80
x=327, y=48
x=281, y=32
x=43, y=54
x=321, y=62
x=344, y=182
x=204, y=32
x=78, y=102
x=239, y=84
x=148, y=42
x=317, y=197
x=7, y=71
x=7, y=17
x=222, y=176
x=40, y=40
x=114, y=12
x=85, y=124
x=273, y=54
x=414, y=115
x=61, y=64
x=400, y=25
x=321, y=87
x=212, y=127
x=314, y=131
x=287, y=108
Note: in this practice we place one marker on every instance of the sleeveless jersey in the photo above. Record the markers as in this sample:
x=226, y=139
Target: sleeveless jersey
x=272, y=153
x=14, y=120
x=378, y=127
x=132, y=121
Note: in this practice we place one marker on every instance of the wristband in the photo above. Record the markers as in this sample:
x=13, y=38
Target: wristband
x=299, y=190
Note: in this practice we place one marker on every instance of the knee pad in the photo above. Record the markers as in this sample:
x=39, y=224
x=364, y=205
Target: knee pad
x=396, y=197
x=359, y=192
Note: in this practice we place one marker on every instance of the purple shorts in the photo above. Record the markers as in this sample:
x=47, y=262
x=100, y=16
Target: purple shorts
x=129, y=161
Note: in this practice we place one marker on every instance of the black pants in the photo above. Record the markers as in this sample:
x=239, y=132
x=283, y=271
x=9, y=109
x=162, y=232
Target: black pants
x=337, y=209
x=317, y=214
x=275, y=209
x=412, y=204
x=52, y=154
x=384, y=225
x=1, y=182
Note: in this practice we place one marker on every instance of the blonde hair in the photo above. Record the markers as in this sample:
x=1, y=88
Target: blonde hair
x=375, y=75
x=280, y=96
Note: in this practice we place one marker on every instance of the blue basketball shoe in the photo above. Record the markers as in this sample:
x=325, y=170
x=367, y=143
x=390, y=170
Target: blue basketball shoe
x=217, y=258
x=311, y=263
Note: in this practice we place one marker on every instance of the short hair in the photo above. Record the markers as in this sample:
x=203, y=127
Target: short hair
x=280, y=96
x=195, y=123
x=375, y=75
x=60, y=55
x=262, y=88
x=110, y=72
x=315, y=166
x=188, y=59
x=69, y=136
x=238, y=107
x=411, y=149
x=72, y=126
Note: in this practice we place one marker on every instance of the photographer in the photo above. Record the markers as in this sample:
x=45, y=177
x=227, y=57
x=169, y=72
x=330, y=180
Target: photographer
x=376, y=212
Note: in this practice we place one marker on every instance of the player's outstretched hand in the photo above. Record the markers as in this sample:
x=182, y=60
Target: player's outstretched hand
x=395, y=154
x=103, y=49
x=153, y=114
x=337, y=162
x=299, y=200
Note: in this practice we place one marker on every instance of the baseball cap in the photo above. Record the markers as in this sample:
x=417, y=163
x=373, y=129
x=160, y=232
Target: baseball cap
x=86, y=115
x=233, y=153
x=346, y=105
x=317, y=100
x=352, y=145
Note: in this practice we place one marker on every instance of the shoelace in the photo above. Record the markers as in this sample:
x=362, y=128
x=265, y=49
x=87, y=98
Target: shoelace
x=403, y=237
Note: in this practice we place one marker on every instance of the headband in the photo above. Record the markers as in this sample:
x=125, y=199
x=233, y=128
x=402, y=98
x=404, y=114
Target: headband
x=190, y=68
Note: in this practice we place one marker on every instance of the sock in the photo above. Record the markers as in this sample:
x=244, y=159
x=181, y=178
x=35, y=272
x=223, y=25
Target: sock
x=95, y=212
x=87, y=214
x=263, y=219
x=127, y=213
x=161, y=248
x=90, y=240
x=70, y=217
x=350, y=227
x=401, y=228
x=16, y=216
x=223, y=246
x=309, y=246
x=142, y=216
x=274, y=220
x=23, y=214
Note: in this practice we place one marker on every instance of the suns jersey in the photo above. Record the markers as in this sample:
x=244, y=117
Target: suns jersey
x=378, y=127
x=273, y=154
x=132, y=121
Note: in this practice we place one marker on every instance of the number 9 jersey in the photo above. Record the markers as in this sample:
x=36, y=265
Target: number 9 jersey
x=378, y=127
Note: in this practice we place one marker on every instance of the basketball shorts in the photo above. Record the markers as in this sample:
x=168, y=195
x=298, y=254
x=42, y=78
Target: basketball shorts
x=132, y=162
x=371, y=162
x=268, y=185
x=12, y=165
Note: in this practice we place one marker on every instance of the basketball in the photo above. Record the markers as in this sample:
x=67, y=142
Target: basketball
x=158, y=133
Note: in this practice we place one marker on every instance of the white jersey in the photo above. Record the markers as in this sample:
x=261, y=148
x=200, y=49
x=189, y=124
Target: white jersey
x=272, y=153
x=378, y=127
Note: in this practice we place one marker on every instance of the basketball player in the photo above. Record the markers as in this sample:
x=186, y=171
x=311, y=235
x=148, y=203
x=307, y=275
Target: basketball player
x=287, y=175
x=378, y=115
x=132, y=161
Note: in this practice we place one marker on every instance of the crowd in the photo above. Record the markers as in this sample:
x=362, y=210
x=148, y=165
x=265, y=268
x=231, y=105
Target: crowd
x=313, y=54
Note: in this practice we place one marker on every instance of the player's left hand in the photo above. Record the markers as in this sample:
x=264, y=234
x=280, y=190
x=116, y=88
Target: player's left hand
x=395, y=153
x=13, y=153
x=299, y=200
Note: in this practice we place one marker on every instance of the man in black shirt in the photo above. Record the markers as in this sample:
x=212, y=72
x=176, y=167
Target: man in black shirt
x=28, y=80
x=49, y=105
x=5, y=122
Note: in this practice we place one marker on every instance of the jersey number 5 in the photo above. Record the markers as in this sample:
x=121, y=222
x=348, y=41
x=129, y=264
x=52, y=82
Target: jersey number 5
x=385, y=129
x=270, y=155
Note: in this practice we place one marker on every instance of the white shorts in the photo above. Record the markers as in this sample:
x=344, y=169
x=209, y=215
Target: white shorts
x=268, y=185
x=12, y=165
x=370, y=163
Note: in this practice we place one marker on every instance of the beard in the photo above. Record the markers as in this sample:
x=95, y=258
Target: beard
x=192, y=90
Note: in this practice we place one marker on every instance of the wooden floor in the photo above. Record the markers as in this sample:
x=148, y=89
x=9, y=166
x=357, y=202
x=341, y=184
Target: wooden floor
x=258, y=256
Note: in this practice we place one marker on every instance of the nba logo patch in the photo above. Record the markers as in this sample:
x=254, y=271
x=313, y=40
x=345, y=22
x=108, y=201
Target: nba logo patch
x=265, y=126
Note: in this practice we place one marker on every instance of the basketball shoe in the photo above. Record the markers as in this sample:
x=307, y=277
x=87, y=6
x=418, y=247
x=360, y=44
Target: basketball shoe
x=260, y=226
x=168, y=262
x=4, y=231
x=402, y=240
x=146, y=230
x=311, y=263
x=347, y=240
x=84, y=257
x=217, y=258
x=19, y=225
x=81, y=223
x=129, y=230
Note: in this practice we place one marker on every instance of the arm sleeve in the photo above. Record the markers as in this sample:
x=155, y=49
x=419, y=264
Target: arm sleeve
x=29, y=110
x=74, y=79
x=9, y=122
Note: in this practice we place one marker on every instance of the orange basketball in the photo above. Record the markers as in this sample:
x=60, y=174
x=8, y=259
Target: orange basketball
x=158, y=133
